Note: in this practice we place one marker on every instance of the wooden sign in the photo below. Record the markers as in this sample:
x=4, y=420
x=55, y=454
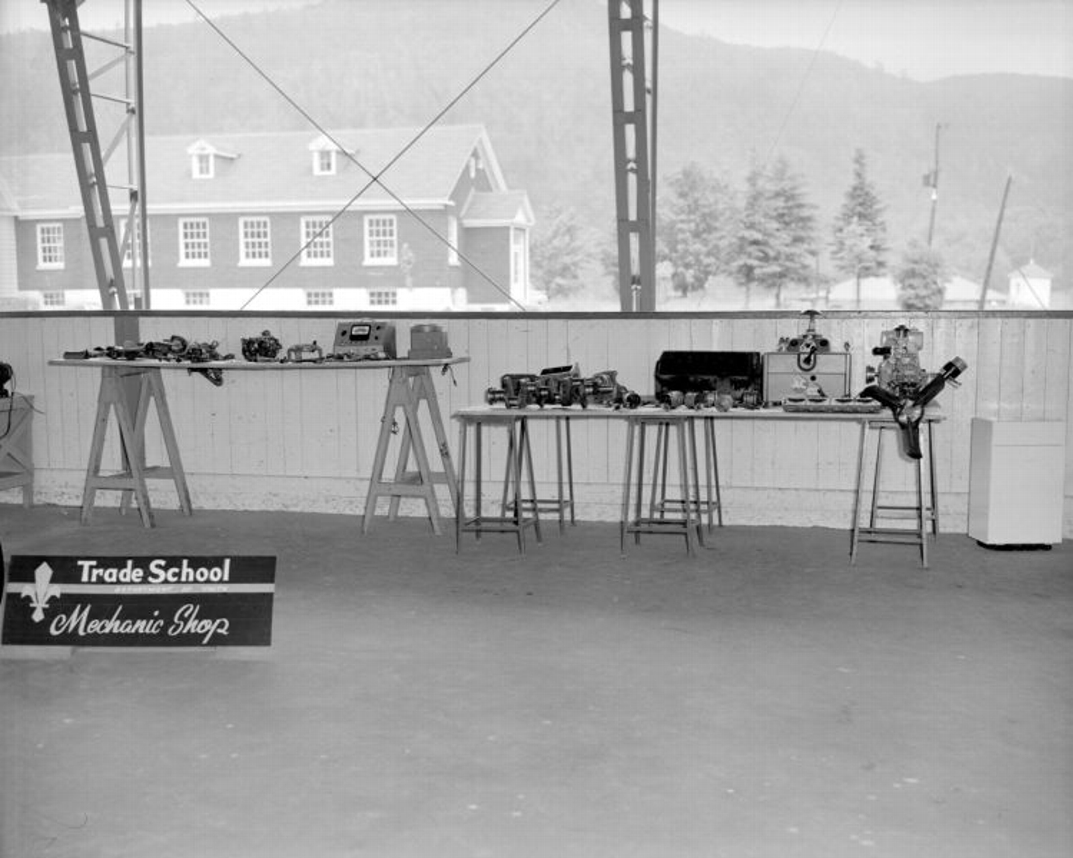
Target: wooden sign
x=76, y=601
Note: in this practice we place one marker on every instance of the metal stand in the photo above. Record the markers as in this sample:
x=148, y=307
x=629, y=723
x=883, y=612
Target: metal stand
x=712, y=502
x=516, y=512
x=657, y=520
x=924, y=511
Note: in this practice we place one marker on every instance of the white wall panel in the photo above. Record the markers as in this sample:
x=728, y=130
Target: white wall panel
x=306, y=440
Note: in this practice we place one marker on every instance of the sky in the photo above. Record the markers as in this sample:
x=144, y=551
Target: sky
x=921, y=39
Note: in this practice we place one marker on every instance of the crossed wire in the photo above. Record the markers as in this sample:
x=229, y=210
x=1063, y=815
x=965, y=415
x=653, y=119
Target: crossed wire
x=375, y=178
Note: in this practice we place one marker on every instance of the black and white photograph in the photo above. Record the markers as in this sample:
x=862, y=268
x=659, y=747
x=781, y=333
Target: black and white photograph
x=536, y=428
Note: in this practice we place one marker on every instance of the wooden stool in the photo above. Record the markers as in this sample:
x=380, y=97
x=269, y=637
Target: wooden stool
x=712, y=502
x=658, y=519
x=924, y=511
x=517, y=512
x=562, y=503
x=16, y=445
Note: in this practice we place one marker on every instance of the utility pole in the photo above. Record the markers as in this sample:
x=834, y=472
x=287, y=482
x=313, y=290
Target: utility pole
x=934, y=177
x=994, y=244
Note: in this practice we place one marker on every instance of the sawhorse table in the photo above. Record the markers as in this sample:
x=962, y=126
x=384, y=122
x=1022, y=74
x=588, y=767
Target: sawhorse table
x=129, y=387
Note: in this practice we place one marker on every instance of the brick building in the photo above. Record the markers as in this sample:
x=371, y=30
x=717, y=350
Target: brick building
x=285, y=220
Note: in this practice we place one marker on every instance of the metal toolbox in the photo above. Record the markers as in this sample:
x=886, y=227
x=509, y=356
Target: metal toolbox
x=790, y=374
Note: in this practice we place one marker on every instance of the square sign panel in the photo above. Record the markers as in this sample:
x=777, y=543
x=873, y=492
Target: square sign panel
x=80, y=601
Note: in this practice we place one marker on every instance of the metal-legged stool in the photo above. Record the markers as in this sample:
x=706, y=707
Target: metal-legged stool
x=659, y=519
x=523, y=512
x=924, y=511
x=712, y=501
x=562, y=503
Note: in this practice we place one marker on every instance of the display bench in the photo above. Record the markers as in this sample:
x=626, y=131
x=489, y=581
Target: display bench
x=684, y=515
x=16, y=445
x=129, y=388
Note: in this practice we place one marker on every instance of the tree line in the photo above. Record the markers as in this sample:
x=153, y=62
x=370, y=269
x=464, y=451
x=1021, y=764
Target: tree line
x=765, y=239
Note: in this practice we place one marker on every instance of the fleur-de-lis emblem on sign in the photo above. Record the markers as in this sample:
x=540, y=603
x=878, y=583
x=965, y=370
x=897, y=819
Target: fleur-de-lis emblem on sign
x=41, y=591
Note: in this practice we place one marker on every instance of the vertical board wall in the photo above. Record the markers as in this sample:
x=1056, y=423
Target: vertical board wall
x=305, y=441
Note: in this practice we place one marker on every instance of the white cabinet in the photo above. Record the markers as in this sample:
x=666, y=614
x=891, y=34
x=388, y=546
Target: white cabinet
x=1016, y=482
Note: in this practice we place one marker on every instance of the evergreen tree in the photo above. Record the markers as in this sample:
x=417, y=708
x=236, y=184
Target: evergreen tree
x=775, y=244
x=859, y=230
x=558, y=253
x=920, y=278
x=694, y=230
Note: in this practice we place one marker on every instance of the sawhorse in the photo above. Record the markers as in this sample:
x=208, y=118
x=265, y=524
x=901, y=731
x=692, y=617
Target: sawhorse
x=410, y=385
x=127, y=391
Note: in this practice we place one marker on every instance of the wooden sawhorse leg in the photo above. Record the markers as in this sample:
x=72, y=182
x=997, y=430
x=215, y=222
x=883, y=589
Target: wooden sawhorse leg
x=131, y=406
x=408, y=388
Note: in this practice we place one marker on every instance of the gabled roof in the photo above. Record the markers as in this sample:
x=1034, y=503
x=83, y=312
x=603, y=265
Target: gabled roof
x=271, y=169
x=501, y=209
x=1031, y=271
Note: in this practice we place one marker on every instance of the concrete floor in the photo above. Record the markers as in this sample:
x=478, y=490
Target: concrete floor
x=762, y=699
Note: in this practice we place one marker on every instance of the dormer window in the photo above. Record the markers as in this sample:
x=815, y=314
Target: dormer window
x=203, y=157
x=325, y=154
x=204, y=165
x=324, y=162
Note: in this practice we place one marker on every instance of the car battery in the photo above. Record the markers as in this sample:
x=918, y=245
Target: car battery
x=428, y=342
x=364, y=339
x=736, y=373
x=800, y=374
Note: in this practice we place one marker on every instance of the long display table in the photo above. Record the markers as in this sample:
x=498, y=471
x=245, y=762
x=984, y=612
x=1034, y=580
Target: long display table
x=129, y=387
x=680, y=424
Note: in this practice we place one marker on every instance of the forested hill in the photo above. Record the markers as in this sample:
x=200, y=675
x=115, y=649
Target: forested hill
x=546, y=105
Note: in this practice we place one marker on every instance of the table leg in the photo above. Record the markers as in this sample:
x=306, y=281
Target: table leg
x=922, y=515
x=683, y=469
x=460, y=494
x=855, y=530
x=627, y=485
x=932, y=480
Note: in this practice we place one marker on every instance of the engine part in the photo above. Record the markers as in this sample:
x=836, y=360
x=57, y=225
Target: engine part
x=261, y=349
x=907, y=406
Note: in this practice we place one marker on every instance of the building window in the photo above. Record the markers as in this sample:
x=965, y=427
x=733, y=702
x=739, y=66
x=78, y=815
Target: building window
x=196, y=299
x=320, y=298
x=202, y=165
x=324, y=162
x=452, y=240
x=255, y=241
x=53, y=299
x=144, y=260
x=194, y=242
x=50, y=245
x=381, y=240
x=317, y=248
x=518, y=258
x=383, y=298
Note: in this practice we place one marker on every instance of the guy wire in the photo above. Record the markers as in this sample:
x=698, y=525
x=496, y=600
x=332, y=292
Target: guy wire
x=802, y=80
x=375, y=178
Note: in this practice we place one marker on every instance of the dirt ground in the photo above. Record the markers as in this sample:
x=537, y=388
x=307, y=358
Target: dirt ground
x=764, y=698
